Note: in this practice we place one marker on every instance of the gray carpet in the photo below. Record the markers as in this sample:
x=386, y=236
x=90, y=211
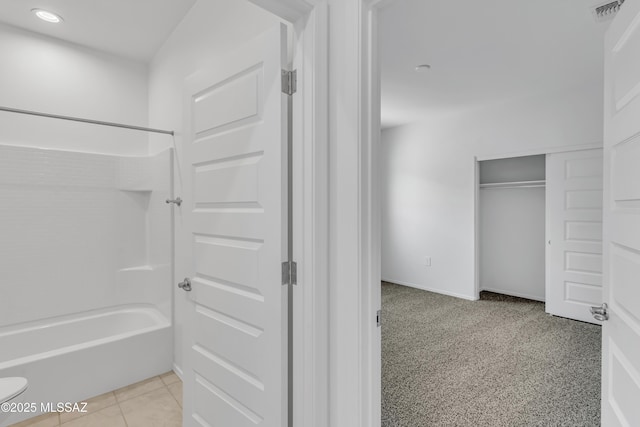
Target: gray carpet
x=500, y=361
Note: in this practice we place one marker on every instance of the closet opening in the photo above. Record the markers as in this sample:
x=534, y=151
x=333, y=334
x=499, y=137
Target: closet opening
x=512, y=226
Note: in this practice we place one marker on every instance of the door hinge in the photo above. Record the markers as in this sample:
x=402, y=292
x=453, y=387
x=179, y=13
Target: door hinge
x=378, y=317
x=289, y=82
x=289, y=273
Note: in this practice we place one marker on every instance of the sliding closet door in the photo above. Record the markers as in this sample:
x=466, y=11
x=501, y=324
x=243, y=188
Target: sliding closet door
x=574, y=206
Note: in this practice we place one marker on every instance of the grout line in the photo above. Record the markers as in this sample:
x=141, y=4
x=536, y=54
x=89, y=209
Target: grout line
x=169, y=372
x=61, y=424
x=174, y=398
x=123, y=416
x=137, y=395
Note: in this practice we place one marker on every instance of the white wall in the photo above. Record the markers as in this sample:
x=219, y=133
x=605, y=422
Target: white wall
x=210, y=28
x=49, y=75
x=428, y=179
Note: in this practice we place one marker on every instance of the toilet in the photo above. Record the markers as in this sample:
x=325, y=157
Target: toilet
x=10, y=389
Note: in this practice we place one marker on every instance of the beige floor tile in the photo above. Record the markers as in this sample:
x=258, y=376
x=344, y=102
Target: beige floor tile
x=107, y=417
x=176, y=390
x=137, y=389
x=169, y=378
x=93, y=405
x=45, y=420
x=157, y=408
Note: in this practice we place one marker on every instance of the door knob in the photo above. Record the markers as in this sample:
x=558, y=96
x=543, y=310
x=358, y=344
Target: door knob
x=176, y=201
x=600, y=313
x=185, y=285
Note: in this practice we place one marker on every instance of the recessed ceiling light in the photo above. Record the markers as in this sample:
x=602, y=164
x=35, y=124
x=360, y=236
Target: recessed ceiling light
x=45, y=15
x=422, y=68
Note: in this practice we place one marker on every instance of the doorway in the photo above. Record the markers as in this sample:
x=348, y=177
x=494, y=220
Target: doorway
x=354, y=356
x=483, y=354
x=428, y=207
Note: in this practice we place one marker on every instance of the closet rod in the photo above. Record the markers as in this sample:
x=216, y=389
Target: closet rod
x=515, y=184
x=77, y=119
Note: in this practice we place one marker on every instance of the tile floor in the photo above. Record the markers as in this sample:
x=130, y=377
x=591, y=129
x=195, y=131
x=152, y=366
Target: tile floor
x=155, y=402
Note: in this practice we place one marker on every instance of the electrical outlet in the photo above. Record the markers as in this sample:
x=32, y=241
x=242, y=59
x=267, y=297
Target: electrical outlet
x=427, y=261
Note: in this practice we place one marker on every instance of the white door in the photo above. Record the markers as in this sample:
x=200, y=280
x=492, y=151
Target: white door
x=621, y=333
x=574, y=208
x=235, y=238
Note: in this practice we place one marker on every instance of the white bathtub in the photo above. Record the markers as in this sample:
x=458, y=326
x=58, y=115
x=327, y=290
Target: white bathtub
x=71, y=358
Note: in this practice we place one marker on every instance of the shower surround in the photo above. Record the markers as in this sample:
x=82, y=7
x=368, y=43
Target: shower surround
x=85, y=270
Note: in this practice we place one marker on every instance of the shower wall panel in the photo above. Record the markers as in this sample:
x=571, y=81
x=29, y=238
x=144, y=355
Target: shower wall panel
x=75, y=229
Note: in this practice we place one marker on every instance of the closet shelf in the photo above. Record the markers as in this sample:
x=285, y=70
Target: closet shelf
x=515, y=184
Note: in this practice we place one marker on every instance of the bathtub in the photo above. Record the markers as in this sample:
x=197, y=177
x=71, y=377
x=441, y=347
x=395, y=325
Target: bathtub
x=71, y=358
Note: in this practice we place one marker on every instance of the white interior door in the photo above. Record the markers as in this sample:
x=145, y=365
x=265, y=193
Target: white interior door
x=234, y=219
x=621, y=333
x=574, y=208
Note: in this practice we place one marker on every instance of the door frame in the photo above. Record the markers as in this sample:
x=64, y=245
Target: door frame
x=336, y=215
x=309, y=401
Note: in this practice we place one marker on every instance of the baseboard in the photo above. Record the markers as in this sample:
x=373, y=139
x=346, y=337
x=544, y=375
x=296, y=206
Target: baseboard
x=178, y=371
x=513, y=294
x=437, y=291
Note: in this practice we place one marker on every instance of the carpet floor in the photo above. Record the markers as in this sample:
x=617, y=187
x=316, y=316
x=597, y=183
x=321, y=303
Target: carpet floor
x=500, y=361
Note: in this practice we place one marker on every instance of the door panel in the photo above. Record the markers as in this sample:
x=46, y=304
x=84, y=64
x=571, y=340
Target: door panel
x=235, y=215
x=574, y=205
x=621, y=333
x=229, y=103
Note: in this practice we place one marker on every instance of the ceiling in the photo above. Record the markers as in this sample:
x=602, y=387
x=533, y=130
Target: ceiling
x=482, y=52
x=479, y=51
x=131, y=28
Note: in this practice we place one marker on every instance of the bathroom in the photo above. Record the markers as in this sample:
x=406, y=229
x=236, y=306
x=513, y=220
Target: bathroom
x=88, y=220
